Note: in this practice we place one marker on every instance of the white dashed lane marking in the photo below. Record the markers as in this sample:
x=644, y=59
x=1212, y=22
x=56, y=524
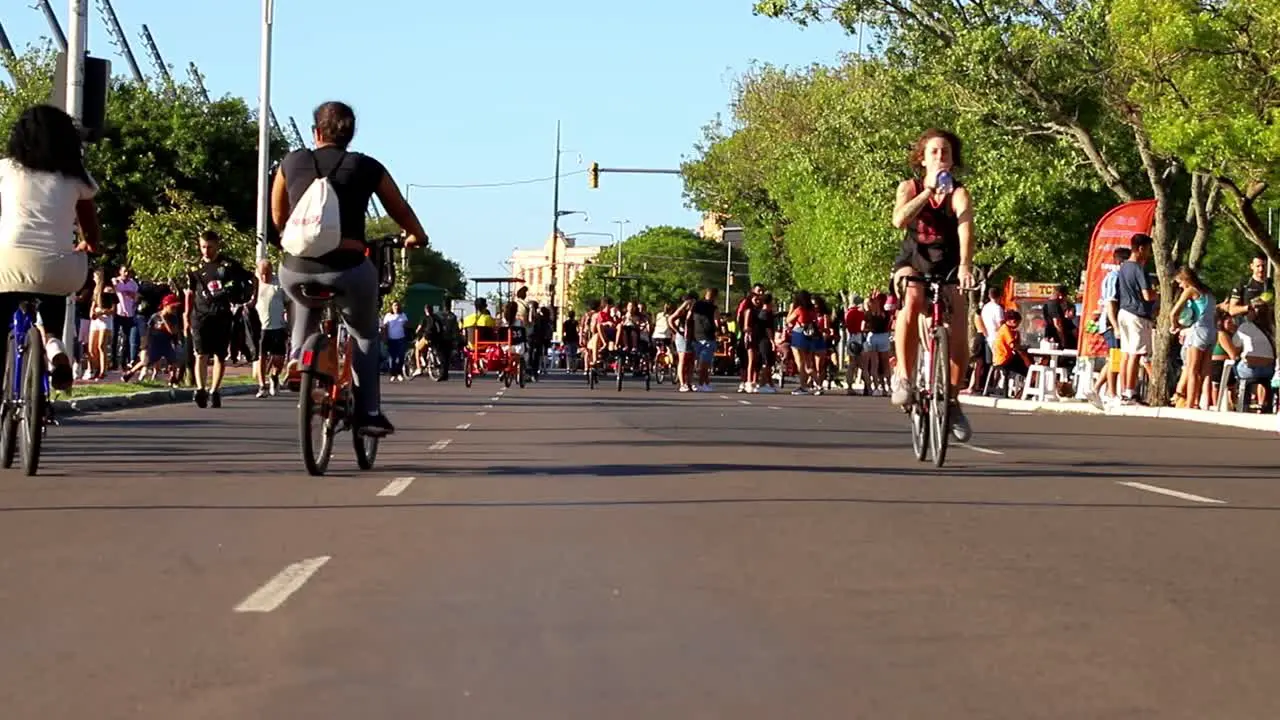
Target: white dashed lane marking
x=439, y=445
x=975, y=448
x=1172, y=493
x=464, y=426
x=395, y=487
x=278, y=589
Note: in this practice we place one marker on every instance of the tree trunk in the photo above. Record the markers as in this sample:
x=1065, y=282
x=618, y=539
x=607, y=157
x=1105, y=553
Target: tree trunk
x=1158, y=388
x=1205, y=211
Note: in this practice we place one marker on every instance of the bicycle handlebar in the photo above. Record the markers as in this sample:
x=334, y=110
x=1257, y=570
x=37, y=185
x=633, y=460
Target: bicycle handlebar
x=387, y=241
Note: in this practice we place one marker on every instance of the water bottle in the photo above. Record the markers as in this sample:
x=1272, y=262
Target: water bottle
x=945, y=183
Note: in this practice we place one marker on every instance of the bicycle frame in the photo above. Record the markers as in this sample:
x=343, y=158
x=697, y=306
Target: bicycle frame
x=23, y=324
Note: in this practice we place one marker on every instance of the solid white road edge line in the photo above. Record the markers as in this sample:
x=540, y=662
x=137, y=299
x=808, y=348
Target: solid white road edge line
x=1172, y=493
x=278, y=589
x=395, y=487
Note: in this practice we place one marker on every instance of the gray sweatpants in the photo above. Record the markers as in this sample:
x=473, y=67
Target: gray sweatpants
x=358, y=303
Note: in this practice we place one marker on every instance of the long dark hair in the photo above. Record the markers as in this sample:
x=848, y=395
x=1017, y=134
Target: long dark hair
x=45, y=139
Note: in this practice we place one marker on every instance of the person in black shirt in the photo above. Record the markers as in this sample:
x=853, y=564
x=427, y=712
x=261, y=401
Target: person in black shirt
x=355, y=178
x=569, y=339
x=704, y=317
x=1054, y=327
x=214, y=285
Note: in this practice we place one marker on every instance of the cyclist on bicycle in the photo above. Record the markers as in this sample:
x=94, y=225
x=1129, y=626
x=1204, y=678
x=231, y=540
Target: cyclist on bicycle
x=45, y=191
x=938, y=219
x=355, y=178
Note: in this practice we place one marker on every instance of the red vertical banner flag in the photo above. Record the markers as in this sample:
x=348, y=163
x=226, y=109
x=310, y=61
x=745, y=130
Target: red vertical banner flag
x=1114, y=230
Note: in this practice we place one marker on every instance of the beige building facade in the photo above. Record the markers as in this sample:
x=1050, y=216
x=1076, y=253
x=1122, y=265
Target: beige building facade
x=534, y=267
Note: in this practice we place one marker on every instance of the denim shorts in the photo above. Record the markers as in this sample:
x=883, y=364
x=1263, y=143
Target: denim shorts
x=704, y=351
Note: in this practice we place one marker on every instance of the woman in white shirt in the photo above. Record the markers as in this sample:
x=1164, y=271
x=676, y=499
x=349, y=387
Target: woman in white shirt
x=393, y=327
x=45, y=191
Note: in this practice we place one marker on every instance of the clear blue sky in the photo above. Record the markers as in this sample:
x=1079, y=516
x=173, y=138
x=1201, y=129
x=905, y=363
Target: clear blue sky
x=457, y=93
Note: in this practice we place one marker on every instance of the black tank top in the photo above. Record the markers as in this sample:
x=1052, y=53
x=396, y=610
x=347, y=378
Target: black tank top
x=936, y=224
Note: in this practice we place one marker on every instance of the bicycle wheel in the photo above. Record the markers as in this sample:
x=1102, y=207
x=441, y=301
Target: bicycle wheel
x=919, y=412
x=939, y=396
x=34, y=403
x=9, y=408
x=648, y=375
x=620, y=369
x=366, y=450
x=315, y=414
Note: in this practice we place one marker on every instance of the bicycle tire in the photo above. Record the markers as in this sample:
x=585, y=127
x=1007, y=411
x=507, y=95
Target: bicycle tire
x=8, y=409
x=316, y=460
x=918, y=413
x=366, y=447
x=34, y=403
x=620, y=368
x=939, y=396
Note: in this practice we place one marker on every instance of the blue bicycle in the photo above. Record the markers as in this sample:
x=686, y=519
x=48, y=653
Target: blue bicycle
x=25, y=405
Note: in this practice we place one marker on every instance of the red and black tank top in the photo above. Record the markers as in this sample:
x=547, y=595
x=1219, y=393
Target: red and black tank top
x=936, y=224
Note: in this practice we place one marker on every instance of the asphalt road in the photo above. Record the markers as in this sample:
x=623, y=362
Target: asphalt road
x=565, y=553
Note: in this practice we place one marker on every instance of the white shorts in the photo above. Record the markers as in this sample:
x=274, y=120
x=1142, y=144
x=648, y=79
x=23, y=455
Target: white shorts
x=1135, y=334
x=104, y=324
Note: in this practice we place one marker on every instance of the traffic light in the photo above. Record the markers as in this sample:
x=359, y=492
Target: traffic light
x=593, y=176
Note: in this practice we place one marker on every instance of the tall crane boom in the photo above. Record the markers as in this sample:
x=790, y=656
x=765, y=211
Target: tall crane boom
x=150, y=44
x=197, y=78
x=118, y=39
x=59, y=38
x=297, y=136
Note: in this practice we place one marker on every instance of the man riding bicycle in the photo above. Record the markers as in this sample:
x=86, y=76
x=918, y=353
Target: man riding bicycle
x=355, y=178
x=937, y=214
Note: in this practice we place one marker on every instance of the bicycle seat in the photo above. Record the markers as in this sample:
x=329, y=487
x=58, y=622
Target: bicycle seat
x=318, y=291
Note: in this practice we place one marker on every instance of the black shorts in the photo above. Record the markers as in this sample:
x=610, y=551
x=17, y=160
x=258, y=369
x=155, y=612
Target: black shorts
x=211, y=335
x=934, y=259
x=274, y=342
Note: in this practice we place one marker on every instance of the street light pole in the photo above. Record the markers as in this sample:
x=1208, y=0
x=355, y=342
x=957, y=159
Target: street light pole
x=79, y=40
x=264, y=127
x=555, y=235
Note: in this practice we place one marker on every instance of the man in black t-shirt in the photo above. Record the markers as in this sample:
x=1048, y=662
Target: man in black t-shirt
x=704, y=317
x=214, y=285
x=1054, y=326
x=1248, y=293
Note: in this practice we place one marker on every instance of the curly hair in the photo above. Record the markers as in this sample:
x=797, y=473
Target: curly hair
x=46, y=139
x=916, y=158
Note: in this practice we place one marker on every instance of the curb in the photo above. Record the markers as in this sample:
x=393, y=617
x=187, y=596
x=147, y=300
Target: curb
x=107, y=403
x=1244, y=421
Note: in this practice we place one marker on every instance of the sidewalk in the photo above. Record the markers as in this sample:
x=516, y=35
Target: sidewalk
x=103, y=396
x=1246, y=421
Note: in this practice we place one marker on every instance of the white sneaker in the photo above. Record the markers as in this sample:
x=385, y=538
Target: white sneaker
x=742, y=387
x=685, y=388
x=901, y=390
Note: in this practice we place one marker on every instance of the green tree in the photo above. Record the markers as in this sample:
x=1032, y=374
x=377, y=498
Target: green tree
x=665, y=262
x=426, y=265
x=164, y=243
x=157, y=140
x=1206, y=79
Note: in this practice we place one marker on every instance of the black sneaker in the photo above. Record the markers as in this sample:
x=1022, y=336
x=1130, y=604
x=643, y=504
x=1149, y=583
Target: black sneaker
x=374, y=425
x=202, y=398
x=215, y=399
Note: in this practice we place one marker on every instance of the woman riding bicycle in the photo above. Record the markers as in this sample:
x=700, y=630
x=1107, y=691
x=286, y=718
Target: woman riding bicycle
x=44, y=192
x=937, y=214
x=355, y=178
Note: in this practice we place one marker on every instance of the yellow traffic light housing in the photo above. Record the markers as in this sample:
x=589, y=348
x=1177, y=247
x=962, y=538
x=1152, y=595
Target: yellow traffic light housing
x=593, y=176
